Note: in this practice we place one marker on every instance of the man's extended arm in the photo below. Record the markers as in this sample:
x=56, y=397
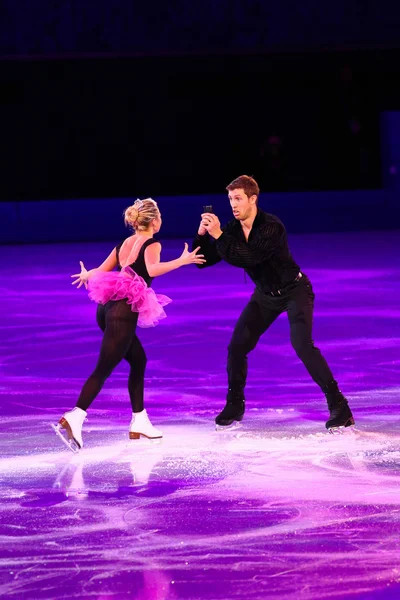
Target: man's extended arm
x=208, y=248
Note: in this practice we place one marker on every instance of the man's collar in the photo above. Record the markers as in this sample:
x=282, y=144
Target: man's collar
x=257, y=221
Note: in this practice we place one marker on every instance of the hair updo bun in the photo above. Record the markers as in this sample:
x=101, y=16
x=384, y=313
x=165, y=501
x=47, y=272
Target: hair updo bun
x=131, y=215
x=141, y=214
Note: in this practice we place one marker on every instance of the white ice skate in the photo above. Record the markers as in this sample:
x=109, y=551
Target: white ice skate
x=141, y=426
x=69, y=428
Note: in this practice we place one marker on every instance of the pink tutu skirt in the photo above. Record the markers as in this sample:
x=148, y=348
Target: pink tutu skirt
x=127, y=285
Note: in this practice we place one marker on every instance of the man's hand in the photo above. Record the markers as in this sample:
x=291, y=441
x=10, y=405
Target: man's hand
x=211, y=224
x=202, y=230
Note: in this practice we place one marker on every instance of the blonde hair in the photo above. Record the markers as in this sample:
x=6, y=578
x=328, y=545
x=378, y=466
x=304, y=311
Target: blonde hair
x=141, y=214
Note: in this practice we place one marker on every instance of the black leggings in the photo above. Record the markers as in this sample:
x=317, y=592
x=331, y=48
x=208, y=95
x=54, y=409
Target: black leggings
x=118, y=323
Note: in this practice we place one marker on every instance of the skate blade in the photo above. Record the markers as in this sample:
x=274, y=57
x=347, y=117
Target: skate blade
x=71, y=444
x=133, y=435
x=342, y=430
x=336, y=431
x=235, y=425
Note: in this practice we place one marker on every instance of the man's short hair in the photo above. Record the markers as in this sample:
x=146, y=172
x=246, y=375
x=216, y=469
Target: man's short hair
x=246, y=183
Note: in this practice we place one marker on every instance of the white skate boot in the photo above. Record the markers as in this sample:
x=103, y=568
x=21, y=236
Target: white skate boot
x=141, y=426
x=69, y=428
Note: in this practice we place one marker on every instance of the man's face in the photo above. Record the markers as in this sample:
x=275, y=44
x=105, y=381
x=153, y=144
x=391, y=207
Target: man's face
x=242, y=205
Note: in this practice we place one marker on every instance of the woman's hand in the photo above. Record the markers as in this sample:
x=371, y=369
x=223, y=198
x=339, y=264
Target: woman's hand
x=191, y=258
x=82, y=277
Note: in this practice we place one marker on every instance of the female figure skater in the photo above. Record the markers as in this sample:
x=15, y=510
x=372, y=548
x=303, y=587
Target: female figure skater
x=125, y=300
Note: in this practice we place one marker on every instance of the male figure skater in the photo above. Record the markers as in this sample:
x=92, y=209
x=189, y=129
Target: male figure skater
x=257, y=242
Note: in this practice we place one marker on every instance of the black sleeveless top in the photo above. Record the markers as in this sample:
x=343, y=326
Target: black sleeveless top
x=139, y=266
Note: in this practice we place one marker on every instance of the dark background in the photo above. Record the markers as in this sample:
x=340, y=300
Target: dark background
x=55, y=27
x=110, y=99
x=115, y=126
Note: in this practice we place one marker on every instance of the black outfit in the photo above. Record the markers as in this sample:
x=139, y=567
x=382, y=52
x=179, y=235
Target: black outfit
x=280, y=286
x=118, y=323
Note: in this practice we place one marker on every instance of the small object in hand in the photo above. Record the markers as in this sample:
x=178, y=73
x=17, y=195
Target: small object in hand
x=208, y=208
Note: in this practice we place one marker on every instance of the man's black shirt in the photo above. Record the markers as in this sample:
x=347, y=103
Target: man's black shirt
x=265, y=256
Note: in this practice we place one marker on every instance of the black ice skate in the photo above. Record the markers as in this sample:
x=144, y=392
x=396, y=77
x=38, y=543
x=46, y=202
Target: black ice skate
x=340, y=414
x=233, y=409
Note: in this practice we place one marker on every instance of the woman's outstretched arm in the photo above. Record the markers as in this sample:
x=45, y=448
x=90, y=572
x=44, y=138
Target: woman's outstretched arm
x=108, y=265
